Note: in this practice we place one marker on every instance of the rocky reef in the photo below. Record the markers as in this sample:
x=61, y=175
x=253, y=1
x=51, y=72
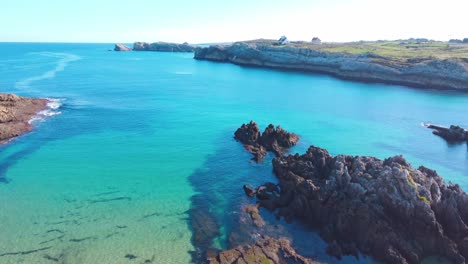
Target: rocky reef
x=121, y=47
x=265, y=250
x=15, y=114
x=451, y=134
x=423, y=72
x=386, y=209
x=163, y=47
x=272, y=139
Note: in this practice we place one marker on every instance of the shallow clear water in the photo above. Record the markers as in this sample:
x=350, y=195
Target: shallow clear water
x=140, y=134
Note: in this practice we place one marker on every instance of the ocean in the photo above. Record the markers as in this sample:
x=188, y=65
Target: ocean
x=138, y=141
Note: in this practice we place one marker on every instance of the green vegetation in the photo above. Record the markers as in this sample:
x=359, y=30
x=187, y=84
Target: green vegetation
x=403, y=50
x=424, y=199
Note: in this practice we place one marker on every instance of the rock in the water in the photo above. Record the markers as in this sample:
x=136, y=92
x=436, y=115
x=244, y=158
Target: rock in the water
x=264, y=250
x=15, y=114
x=385, y=209
x=163, y=47
x=252, y=210
x=451, y=134
x=276, y=140
x=121, y=47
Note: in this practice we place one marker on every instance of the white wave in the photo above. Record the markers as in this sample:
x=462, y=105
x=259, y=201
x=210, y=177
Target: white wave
x=62, y=63
x=183, y=73
x=53, y=105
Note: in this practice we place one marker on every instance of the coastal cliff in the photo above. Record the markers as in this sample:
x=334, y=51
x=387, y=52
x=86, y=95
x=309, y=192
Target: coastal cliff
x=163, y=47
x=418, y=69
x=15, y=114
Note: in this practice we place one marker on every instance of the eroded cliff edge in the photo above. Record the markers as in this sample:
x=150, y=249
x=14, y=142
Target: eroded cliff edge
x=417, y=71
x=15, y=114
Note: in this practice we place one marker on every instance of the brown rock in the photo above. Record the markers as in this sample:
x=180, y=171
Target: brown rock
x=15, y=114
x=264, y=250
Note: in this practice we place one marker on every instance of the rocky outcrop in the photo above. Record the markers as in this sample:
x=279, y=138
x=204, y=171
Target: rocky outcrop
x=163, y=47
x=265, y=250
x=426, y=73
x=451, y=134
x=121, y=47
x=386, y=209
x=15, y=114
x=272, y=139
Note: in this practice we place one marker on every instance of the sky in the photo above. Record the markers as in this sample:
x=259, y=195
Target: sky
x=209, y=21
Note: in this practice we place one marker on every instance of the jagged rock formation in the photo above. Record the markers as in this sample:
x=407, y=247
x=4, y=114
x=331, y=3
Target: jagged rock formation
x=451, y=134
x=385, y=209
x=121, y=47
x=275, y=140
x=417, y=72
x=265, y=250
x=163, y=47
x=15, y=113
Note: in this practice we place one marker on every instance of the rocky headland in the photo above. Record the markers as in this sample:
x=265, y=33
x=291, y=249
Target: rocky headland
x=382, y=208
x=451, y=134
x=276, y=140
x=163, y=47
x=429, y=68
x=15, y=114
x=121, y=47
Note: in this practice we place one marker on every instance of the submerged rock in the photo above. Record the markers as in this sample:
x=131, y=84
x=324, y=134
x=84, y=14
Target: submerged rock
x=121, y=47
x=163, y=47
x=276, y=140
x=385, y=209
x=15, y=114
x=264, y=250
x=451, y=134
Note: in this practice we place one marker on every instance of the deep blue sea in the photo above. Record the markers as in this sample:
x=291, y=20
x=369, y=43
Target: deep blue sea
x=142, y=138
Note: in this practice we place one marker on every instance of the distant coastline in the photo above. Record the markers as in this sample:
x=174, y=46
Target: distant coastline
x=416, y=63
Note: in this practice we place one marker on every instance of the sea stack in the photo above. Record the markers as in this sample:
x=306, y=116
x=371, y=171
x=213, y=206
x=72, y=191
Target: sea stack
x=121, y=47
x=15, y=114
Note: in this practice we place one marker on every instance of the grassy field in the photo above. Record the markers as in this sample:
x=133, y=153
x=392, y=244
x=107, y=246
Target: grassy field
x=396, y=50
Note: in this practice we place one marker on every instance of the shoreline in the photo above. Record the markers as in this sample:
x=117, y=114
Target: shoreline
x=18, y=114
x=425, y=73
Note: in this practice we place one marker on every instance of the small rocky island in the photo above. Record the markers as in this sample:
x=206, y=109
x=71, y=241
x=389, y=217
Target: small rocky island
x=451, y=134
x=392, y=62
x=156, y=46
x=272, y=139
x=382, y=208
x=15, y=114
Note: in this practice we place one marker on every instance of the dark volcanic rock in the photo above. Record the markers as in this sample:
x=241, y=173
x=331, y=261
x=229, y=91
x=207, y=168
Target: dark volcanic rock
x=264, y=250
x=163, y=47
x=276, y=140
x=451, y=134
x=121, y=47
x=15, y=113
x=385, y=209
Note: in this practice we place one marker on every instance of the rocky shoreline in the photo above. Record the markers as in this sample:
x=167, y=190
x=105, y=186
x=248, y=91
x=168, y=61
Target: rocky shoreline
x=423, y=72
x=15, y=114
x=382, y=208
x=452, y=134
x=156, y=46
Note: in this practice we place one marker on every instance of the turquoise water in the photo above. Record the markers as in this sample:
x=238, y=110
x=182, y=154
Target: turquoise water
x=141, y=135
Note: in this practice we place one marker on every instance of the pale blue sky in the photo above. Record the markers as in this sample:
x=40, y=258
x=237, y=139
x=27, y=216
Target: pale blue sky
x=201, y=21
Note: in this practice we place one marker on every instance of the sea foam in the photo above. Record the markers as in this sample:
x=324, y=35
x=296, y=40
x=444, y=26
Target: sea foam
x=53, y=106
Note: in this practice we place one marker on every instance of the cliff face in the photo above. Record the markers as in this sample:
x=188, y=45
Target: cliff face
x=418, y=72
x=15, y=113
x=163, y=46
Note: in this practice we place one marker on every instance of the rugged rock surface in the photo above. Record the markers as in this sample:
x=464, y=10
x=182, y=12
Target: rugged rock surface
x=163, y=46
x=421, y=72
x=15, y=113
x=121, y=47
x=272, y=139
x=385, y=209
x=265, y=250
x=451, y=134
